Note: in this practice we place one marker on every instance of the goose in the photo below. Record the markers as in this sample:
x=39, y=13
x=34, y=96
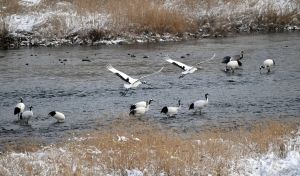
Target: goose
x=140, y=104
x=60, y=117
x=19, y=108
x=200, y=104
x=171, y=111
x=26, y=115
x=236, y=58
x=187, y=69
x=139, y=111
x=267, y=64
x=131, y=82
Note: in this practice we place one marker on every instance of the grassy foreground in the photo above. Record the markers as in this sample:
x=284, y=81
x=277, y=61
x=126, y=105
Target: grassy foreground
x=133, y=144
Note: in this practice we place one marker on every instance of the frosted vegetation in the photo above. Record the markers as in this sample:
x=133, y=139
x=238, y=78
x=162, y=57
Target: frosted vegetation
x=270, y=148
x=94, y=22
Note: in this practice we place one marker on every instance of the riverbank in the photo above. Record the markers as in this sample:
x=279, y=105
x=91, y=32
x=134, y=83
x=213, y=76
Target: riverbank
x=48, y=23
x=132, y=147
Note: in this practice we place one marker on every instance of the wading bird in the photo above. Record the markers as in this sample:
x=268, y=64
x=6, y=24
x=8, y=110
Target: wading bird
x=267, y=64
x=139, y=111
x=233, y=62
x=187, y=69
x=171, y=111
x=140, y=104
x=60, y=117
x=19, y=108
x=200, y=104
x=131, y=82
x=26, y=115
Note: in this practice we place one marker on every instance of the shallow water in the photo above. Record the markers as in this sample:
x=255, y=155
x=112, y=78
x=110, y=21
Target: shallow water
x=89, y=95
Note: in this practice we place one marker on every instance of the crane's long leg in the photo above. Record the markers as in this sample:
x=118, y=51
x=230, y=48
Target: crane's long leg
x=124, y=93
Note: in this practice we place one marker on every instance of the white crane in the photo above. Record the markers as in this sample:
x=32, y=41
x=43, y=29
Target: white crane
x=19, y=108
x=139, y=111
x=171, y=111
x=131, y=82
x=267, y=64
x=26, y=115
x=60, y=117
x=233, y=62
x=140, y=104
x=187, y=69
x=200, y=104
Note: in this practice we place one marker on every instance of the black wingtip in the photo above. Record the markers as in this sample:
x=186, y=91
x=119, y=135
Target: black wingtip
x=164, y=110
x=132, y=107
x=191, y=106
x=52, y=113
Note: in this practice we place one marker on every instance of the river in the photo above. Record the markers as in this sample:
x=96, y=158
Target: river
x=57, y=78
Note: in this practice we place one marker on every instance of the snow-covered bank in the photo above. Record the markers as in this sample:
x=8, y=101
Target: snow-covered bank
x=63, y=24
x=128, y=154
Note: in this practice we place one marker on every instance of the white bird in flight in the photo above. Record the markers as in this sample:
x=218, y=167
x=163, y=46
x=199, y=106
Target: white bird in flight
x=131, y=82
x=187, y=69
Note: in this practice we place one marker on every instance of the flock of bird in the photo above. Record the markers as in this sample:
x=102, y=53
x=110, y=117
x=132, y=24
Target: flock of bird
x=24, y=116
x=140, y=108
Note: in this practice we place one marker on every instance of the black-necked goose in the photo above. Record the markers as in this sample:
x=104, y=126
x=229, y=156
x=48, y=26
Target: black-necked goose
x=187, y=69
x=171, y=111
x=26, y=115
x=60, y=117
x=131, y=82
x=200, y=104
x=19, y=108
x=267, y=64
x=140, y=104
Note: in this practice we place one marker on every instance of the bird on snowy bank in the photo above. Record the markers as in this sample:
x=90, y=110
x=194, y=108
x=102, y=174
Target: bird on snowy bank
x=140, y=104
x=171, y=111
x=200, y=104
x=267, y=64
x=187, y=69
x=19, y=108
x=131, y=82
x=232, y=62
x=60, y=117
x=26, y=115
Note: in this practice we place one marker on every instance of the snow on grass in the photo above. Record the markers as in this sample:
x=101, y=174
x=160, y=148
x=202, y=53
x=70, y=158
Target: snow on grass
x=77, y=156
x=29, y=2
x=61, y=20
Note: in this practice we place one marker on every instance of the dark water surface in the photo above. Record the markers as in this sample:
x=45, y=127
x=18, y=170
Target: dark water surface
x=88, y=94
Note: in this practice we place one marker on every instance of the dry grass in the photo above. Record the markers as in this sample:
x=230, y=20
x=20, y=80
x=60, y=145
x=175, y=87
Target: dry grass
x=154, y=16
x=157, y=151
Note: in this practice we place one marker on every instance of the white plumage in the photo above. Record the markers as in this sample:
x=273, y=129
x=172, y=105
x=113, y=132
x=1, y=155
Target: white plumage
x=233, y=65
x=187, y=69
x=140, y=104
x=232, y=62
x=26, y=115
x=60, y=117
x=171, y=111
x=19, y=108
x=139, y=111
x=200, y=104
x=267, y=64
x=131, y=82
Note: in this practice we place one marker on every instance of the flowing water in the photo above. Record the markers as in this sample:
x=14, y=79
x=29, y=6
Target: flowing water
x=57, y=78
